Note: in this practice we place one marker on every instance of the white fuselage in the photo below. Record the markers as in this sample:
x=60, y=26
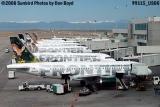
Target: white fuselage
x=65, y=49
x=56, y=44
x=67, y=57
x=42, y=42
x=78, y=70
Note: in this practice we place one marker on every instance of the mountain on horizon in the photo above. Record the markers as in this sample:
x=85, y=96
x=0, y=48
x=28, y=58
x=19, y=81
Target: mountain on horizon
x=60, y=25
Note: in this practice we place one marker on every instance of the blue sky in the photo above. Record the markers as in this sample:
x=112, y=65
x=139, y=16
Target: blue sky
x=82, y=10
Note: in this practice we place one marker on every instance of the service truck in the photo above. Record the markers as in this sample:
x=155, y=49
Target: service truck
x=29, y=86
x=58, y=88
x=156, y=80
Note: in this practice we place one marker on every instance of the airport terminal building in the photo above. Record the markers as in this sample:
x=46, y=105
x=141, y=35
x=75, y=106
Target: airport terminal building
x=145, y=31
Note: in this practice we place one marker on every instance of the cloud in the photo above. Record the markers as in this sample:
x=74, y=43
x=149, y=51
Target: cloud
x=27, y=21
x=94, y=21
x=21, y=21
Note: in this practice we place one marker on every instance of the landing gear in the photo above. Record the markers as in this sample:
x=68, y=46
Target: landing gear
x=89, y=83
x=66, y=78
x=83, y=83
x=139, y=84
x=66, y=84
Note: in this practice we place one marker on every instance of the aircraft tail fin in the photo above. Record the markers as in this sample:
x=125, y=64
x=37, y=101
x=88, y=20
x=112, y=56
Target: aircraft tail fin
x=20, y=52
x=26, y=37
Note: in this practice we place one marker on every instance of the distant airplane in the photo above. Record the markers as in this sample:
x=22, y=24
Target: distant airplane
x=54, y=45
x=65, y=49
x=46, y=42
x=67, y=57
x=19, y=47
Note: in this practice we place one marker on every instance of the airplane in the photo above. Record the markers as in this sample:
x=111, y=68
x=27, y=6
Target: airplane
x=27, y=63
x=47, y=42
x=67, y=57
x=83, y=71
x=67, y=49
x=79, y=70
x=55, y=40
x=54, y=46
x=57, y=57
x=74, y=70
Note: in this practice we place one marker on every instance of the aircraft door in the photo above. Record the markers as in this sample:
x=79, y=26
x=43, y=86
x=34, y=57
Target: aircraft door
x=42, y=74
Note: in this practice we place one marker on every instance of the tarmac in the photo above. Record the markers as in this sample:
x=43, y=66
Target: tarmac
x=11, y=97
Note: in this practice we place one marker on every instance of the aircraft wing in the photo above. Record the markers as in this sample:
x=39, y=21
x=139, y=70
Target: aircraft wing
x=16, y=66
x=19, y=67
